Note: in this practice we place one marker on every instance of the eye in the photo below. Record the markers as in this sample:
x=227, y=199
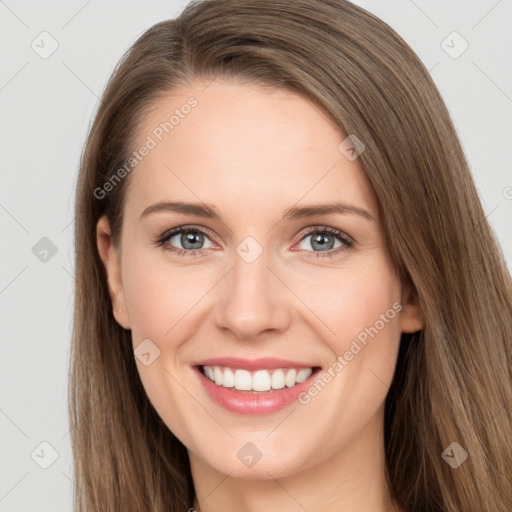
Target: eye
x=323, y=241
x=189, y=239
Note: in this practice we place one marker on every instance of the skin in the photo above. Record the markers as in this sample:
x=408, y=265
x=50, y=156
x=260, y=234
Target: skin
x=252, y=153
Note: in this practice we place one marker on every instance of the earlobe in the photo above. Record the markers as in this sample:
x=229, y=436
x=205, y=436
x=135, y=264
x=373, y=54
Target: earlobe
x=112, y=265
x=411, y=319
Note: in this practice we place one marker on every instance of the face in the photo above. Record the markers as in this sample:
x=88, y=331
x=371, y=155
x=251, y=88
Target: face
x=259, y=289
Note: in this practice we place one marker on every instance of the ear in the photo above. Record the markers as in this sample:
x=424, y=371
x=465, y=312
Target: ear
x=112, y=264
x=411, y=319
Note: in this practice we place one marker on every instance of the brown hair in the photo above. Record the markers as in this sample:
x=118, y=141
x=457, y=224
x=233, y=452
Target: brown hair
x=453, y=379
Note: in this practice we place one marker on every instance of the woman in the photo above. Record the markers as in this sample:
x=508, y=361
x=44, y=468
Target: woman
x=289, y=297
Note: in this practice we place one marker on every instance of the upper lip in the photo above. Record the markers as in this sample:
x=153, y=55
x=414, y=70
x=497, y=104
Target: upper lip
x=264, y=363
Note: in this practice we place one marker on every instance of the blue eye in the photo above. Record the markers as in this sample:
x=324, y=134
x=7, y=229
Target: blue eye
x=192, y=239
x=324, y=239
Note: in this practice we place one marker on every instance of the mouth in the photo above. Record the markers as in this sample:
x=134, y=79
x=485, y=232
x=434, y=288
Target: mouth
x=255, y=391
x=257, y=381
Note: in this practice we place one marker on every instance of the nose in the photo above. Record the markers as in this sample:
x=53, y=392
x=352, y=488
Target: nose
x=253, y=301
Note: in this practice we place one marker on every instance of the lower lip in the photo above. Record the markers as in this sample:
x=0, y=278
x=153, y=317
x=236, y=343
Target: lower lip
x=250, y=403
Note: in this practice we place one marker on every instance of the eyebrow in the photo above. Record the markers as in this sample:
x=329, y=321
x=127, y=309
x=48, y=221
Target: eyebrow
x=295, y=212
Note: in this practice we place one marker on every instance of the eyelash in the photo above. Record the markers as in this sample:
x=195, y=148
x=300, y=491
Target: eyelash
x=347, y=241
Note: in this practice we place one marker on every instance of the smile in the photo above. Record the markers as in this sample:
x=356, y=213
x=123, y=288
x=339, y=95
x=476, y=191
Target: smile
x=254, y=387
x=259, y=380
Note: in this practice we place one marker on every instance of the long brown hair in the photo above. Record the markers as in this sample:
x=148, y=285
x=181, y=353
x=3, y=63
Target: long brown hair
x=453, y=378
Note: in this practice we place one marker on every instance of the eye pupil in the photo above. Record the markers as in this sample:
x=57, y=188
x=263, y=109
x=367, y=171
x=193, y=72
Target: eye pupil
x=193, y=237
x=323, y=240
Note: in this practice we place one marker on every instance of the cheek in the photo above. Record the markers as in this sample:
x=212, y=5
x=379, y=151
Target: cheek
x=362, y=308
x=160, y=300
x=159, y=296
x=349, y=299
x=357, y=312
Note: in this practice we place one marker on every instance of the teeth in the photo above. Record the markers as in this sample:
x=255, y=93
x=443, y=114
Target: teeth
x=218, y=374
x=243, y=380
x=290, y=378
x=228, y=379
x=260, y=380
x=278, y=380
x=302, y=375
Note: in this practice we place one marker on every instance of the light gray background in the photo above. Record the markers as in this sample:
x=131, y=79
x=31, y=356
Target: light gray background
x=46, y=107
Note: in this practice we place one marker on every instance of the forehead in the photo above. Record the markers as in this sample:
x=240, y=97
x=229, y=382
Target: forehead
x=243, y=148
